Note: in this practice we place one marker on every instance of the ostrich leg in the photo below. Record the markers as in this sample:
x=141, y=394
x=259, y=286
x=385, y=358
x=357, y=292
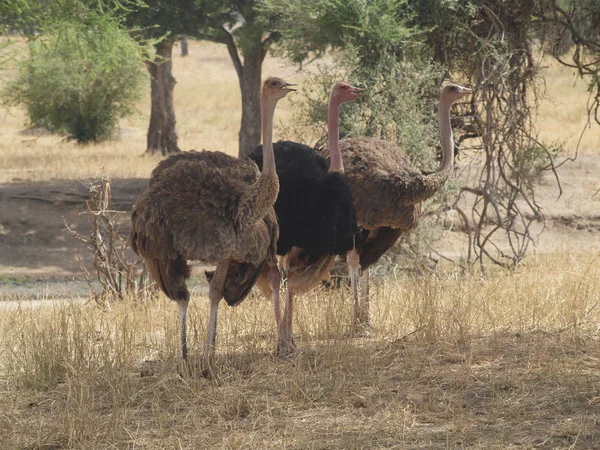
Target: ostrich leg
x=183, y=304
x=365, y=306
x=286, y=344
x=353, y=259
x=274, y=278
x=215, y=295
x=362, y=319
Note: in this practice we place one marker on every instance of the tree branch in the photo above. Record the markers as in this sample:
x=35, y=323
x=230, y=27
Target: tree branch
x=233, y=51
x=576, y=36
x=273, y=37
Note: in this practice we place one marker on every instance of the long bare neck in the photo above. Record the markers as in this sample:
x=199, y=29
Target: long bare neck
x=260, y=197
x=423, y=187
x=333, y=135
x=267, y=113
x=446, y=135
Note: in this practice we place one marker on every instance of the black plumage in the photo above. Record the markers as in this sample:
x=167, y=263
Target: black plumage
x=314, y=207
x=370, y=249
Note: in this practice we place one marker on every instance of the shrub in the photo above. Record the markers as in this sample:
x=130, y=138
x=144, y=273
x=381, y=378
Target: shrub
x=80, y=78
x=399, y=105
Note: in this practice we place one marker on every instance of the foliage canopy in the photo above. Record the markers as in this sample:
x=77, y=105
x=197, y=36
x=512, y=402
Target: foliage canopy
x=402, y=50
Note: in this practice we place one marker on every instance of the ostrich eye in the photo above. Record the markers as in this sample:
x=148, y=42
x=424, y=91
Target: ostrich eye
x=344, y=87
x=273, y=83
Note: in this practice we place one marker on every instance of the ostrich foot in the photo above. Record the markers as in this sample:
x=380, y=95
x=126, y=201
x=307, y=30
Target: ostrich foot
x=286, y=348
x=203, y=369
x=185, y=369
x=362, y=327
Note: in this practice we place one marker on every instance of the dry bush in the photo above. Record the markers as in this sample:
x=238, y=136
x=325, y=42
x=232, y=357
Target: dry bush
x=505, y=360
x=115, y=271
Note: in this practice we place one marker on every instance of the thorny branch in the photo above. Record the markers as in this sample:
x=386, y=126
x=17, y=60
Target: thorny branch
x=497, y=203
x=114, y=271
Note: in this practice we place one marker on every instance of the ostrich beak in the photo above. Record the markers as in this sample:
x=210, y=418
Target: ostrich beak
x=288, y=87
x=357, y=91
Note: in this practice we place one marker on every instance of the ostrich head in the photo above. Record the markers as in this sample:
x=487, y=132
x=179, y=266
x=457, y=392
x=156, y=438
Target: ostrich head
x=343, y=92
x=454, y=92
x=277, y=88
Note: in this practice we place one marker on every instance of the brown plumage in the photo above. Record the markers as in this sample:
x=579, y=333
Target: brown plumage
x=385, y=186
x=213, y=208
x=388, y=192
x=203, y=212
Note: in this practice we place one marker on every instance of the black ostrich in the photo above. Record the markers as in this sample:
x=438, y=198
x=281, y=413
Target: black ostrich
x=316, y=214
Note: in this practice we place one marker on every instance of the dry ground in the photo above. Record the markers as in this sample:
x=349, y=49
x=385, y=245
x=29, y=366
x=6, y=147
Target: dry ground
x=508, y=360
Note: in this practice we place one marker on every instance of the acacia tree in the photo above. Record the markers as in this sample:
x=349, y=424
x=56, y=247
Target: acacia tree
x=247, y=31
x=490, y=44
x=484, y=44
x=238, y=24
x=163, y=22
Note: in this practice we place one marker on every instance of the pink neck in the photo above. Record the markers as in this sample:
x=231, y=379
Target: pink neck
x=333, y=134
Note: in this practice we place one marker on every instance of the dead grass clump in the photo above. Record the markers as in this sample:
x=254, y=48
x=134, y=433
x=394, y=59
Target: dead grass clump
x=506, y=360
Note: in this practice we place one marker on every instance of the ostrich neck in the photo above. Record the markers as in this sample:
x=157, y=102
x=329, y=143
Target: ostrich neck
x=446, y=136
x=259, y=198
x=333, y=135
x=425, y=186
x=267, y=113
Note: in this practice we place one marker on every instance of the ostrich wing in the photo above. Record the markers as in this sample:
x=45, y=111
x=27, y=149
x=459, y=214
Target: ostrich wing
x=384, y=183
x=241, y=276
x=371, y=249
x=190, y=210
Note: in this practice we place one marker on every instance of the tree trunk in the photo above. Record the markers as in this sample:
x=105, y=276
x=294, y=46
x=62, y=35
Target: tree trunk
x=161, y=131
x=184, y=45
x=250, y=81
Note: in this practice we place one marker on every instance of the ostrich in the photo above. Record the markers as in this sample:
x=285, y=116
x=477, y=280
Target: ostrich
x=316, y=215
x=388, y=192
x=211, y=207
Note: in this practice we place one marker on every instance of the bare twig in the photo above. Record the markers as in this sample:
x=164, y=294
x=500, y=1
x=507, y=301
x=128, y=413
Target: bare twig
x=114, y=271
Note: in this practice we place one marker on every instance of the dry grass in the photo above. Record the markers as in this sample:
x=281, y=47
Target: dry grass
x=207, y=105
x=509, y=360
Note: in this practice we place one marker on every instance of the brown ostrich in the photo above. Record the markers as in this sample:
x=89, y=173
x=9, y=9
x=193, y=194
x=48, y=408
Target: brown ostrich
x=213, y=208
x=388, y=192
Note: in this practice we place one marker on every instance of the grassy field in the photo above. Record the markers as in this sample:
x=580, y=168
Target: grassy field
x=509, y=360
x=505, y=360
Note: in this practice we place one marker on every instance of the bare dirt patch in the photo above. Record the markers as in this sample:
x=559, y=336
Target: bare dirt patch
x=39, y=257
x=34, y=242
